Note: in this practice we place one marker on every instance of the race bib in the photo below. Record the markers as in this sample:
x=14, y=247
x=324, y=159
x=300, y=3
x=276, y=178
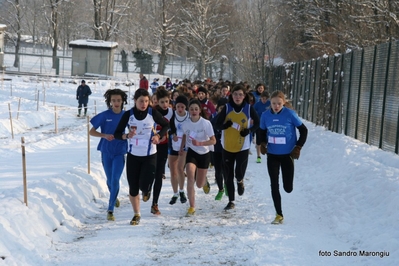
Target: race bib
x=192, y=135
x=277, y=140
x=236, y=126
x=139, y=142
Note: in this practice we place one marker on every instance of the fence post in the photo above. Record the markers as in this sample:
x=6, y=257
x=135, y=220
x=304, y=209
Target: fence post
x=9, y=111
x=38, y=94
x=88, y=144
x=24, y=171
x=385, y=94
x=55, y=120
x=358, y=93
x=19, y=106
x=371, y=95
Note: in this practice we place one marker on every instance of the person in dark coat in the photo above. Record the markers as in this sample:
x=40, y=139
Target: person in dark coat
x=82, y=95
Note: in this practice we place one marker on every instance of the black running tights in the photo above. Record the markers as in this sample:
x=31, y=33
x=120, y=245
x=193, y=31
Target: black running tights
x=274, y=163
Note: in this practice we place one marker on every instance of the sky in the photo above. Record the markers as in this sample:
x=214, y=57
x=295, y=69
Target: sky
x=343, y=209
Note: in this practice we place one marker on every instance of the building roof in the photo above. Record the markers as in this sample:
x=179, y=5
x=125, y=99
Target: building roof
x=3, y=27
x=94, y=44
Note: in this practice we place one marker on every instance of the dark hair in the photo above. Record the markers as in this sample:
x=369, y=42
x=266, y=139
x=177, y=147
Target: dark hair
x=197, y=102
x=265, y=94
x=141, y=92
x=111, y=92
x=161, y=92
x=260, y=85
x=239, y=87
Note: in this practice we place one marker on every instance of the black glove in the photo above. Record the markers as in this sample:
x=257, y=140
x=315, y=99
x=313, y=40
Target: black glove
x=263, y=148
x=244, y=132
x=296, y=152
x=228, y=124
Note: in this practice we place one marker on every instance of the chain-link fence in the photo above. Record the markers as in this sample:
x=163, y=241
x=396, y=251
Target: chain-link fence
x=39, y=61
x=355, y=93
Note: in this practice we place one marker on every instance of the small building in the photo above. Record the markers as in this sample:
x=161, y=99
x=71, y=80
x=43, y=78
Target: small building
x=2, y=32
x=92, y=57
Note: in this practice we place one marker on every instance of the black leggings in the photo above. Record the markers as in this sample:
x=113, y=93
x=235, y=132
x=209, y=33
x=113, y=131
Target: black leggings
x=140, y=171
x=274, y=163
x=218, y=164
x=162, y=156
x=240, y=159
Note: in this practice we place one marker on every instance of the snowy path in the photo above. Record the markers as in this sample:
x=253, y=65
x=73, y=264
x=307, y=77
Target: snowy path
x=317, y=219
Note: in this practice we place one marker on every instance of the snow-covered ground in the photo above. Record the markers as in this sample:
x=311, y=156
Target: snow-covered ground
x=343, y=210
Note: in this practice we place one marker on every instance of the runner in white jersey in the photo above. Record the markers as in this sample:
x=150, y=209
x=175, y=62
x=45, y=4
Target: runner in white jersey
x=176, y=161
x=198, y=137
x=142, y=152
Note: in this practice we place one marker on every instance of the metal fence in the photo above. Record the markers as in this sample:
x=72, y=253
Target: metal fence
x=39, y=61
x=355, y=93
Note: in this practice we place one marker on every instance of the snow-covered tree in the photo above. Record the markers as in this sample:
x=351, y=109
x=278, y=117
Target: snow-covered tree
x=165, y=29
x=204, y=30
x=108, y=14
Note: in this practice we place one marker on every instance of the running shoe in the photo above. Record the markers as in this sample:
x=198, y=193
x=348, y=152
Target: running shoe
x=206, y=187
x=219, y=196
x=155, y=209
x=173, y=200
x=135, y=220
x=229, y=206
x=183, y=198
x=146, y=196
x=190, y=211
x=240, y=187
x=278, y=220
x=110, y=216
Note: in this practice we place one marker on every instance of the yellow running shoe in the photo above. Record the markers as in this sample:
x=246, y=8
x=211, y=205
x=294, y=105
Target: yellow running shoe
x=110, y=216
x=117, y=203
x=190, y=211
x=278, y=220
x=206, y=187
x=135, y=220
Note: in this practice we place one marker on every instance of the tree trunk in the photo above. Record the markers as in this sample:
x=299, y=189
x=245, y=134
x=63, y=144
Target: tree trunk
x=97, y=20
x=54, y=25
x=162, y=61
x=18, y=44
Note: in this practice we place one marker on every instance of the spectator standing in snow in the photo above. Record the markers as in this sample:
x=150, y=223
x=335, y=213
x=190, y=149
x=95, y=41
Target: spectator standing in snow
x=143, y=82
x=82, y=95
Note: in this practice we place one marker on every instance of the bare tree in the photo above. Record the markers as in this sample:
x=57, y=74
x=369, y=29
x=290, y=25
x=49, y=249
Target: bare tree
x=108, y=15
x=13, y=15
x=204, y=30
x=254, y=40
x=165, y=29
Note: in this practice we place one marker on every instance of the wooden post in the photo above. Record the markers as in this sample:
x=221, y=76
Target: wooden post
x=24, y=171
x=19, y=105
x=38, y=93
x=12, y=129
x=2, y=80
x=55, y=120
x=88, y=144
x=44, y=96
